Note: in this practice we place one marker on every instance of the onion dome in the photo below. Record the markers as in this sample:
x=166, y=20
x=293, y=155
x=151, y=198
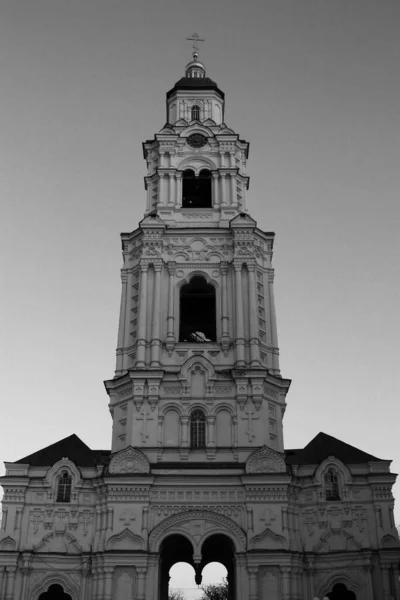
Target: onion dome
x=195, y=77
x=195, y=68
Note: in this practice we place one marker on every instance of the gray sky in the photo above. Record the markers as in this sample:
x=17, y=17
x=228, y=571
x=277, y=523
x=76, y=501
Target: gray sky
x=313, y=85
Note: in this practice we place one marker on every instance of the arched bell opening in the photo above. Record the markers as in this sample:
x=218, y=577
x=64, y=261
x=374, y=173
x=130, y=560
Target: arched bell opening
x=55, y=592
x=197, y=312
x=219, y=548
x=341, y=592
x=174, y=549
x=196, y=190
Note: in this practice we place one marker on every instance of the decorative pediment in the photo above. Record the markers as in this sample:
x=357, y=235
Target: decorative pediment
x=8, y=544
x=195, y=127
x=193, y=365
x=129, y=461
x=335, y=541
x=152, y=220
x=268, y=540
x=65, y=464
x=389, y=541
x=58, y=542
x=242, y=220
x=265, y=460
x=332, y=461
x=126, y=540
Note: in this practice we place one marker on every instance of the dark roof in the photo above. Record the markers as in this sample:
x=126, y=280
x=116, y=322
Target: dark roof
x=324, y=445
x=200, y=83
x=71, y=447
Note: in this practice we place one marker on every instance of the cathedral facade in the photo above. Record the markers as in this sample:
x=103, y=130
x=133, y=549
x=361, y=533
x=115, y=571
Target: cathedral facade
x=197, y=470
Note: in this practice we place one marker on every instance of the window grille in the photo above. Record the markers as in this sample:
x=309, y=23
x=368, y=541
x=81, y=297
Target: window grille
x=64, y=488
x=197, y=429
x=331, y=486
x=195, y=113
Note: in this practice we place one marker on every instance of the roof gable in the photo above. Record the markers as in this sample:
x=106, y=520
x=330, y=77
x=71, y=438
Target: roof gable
x=324, y=445
x=71, y=447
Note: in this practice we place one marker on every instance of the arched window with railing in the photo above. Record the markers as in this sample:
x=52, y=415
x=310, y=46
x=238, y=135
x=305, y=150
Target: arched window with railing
x=195, y=112
x=196, y=191
x=197, y=429
x=198, y=321
x=64, y=486
x=331, y=480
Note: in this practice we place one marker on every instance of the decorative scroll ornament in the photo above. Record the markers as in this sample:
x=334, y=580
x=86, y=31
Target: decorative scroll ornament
x=129, y=461
x=265, y=460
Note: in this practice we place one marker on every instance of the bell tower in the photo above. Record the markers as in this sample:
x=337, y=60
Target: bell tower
x=197, y=375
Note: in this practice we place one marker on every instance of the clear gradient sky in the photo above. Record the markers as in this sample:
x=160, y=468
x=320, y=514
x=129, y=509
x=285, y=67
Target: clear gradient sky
x=313, y=85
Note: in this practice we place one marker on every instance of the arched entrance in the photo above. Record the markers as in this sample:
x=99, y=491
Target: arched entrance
x=55, y=592
x=341, y=592
x=177, y=548
x=197, y=537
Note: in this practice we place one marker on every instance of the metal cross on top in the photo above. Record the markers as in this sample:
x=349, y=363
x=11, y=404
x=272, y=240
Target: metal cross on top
x=195, y=39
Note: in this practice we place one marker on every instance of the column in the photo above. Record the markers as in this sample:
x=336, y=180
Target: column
x=108, y=576
x=233, y=201
x=239, y=342
x=25, y=573
x=178, y=199
x=368, y=582
x=127, y=318
x=211, y=432
x=162, y=191
x=170, y=339
x=234, y=431
x=232, y=161
x=95, y=583
x=253, y=592
x=184, y=431
x=141, y=589
x=225, y=340
x=171, y=199
x=160, y=430
x=253, y=305
x=11, y=572
x=84, y=581
x=215, y=180
x=2, y=580
x=141, y=334
x=156, y=338
x=224, y=199
x=122, y=317
x=285, y=583
x=274, y=335
x=385, y=582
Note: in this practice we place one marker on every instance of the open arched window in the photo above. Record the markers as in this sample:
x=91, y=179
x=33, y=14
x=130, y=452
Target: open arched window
x=197, y=429
x=196, y=191
x=195, y=113
x=197, y=312
x=331, y=485
x=64, y=487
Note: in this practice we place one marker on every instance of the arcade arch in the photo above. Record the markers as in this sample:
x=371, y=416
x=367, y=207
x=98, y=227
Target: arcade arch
x=55, y=592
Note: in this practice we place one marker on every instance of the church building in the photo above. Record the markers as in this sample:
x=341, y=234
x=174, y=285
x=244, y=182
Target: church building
x=197, y=470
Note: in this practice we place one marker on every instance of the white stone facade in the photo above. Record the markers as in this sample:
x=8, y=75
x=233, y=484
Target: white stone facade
x=287, y=524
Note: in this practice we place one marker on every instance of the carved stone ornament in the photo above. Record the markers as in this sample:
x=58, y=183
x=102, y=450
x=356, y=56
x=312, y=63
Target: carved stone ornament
x=265, y=460
x=129, y=461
